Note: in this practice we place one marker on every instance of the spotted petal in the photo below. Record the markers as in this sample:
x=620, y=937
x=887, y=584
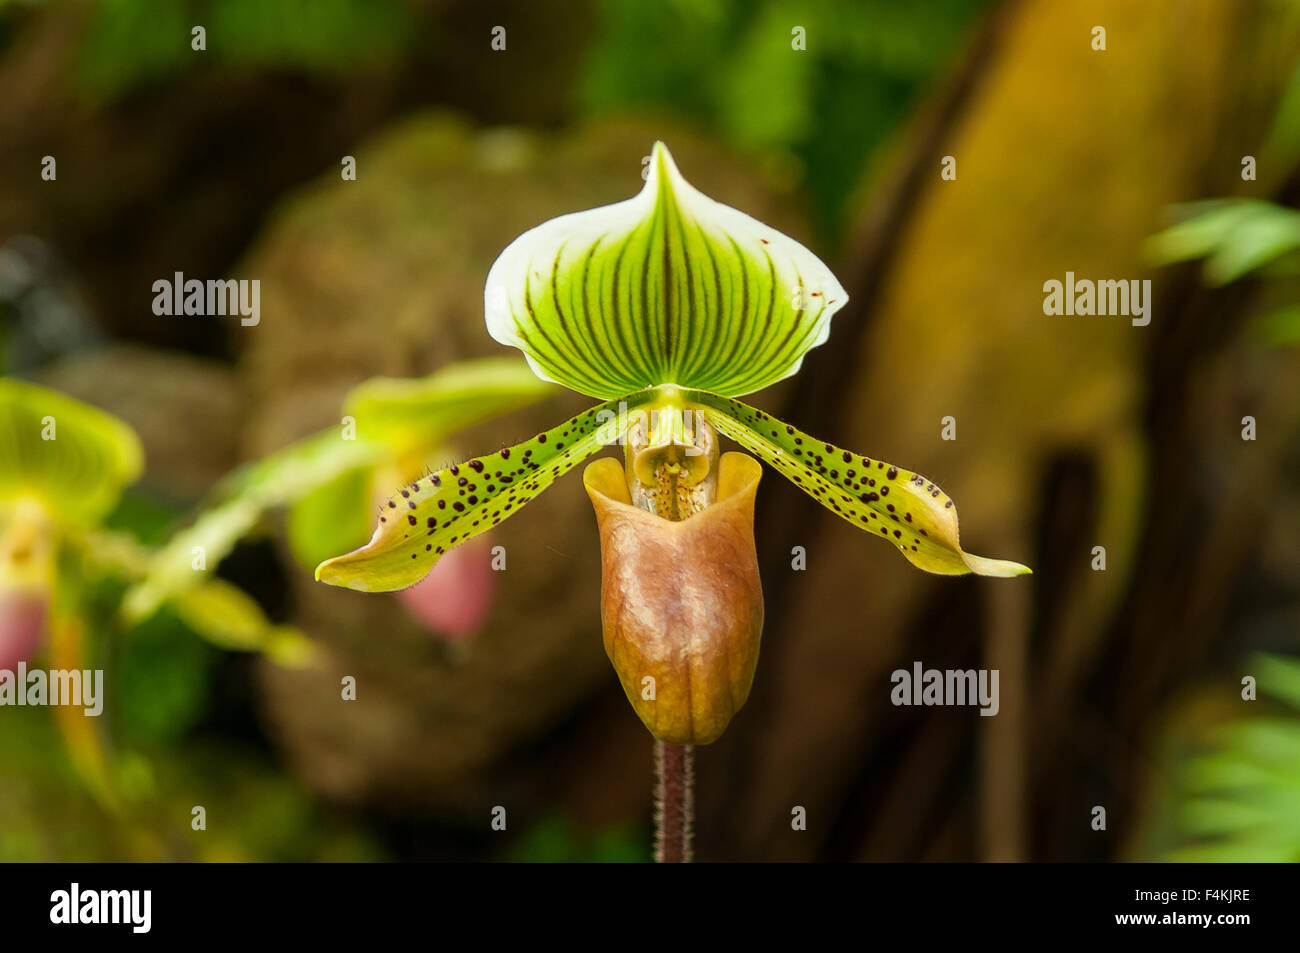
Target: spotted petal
x=898, y=505
x=424, y=520
x=669, y=287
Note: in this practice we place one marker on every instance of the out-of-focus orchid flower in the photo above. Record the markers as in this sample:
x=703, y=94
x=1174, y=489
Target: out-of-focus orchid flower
x=454, y=598
x=63, y=465
x=26, y=581
x=666, y=307
x=390, y=431
x=63, y=468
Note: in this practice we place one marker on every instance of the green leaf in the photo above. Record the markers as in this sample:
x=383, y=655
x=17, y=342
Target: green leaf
x=1280, y=328
x=1203, y=226
x=228, y=617
x=1238, y=798
x=422, y=412
x=898, y=505
x=669, y=287
x=1278, y=677
x=108, y=552
x=75, y=459
x=163, y=679
x=424, y=520
x=332, y=518
x=1235, y=236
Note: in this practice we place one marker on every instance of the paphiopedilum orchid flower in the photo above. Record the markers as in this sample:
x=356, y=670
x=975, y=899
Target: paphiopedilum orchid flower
x=64, y=466
x=667, y=307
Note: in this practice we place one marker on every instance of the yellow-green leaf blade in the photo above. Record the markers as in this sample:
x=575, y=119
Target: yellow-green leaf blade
x=229, y=618
x=914, y=514
x=426, y=410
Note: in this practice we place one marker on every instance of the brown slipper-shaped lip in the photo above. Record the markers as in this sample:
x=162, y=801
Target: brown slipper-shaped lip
x=681, y=602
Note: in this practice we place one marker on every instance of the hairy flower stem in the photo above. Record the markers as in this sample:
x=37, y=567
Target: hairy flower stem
x=672, y=465
x=674, y=802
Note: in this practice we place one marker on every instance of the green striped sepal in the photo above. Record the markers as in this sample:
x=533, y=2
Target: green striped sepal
x=73, y=458
x=669, y=287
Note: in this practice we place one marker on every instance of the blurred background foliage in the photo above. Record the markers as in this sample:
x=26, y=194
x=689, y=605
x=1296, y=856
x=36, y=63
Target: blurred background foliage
x=131, y=44
x=1120, y=688
x=1232, y=782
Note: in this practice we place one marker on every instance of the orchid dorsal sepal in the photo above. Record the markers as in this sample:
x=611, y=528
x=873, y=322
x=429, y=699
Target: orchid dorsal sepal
x=74, y=458
x=668, y=287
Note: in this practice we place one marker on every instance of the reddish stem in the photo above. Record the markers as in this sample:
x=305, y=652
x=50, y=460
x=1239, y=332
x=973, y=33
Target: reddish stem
x=674, y=802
